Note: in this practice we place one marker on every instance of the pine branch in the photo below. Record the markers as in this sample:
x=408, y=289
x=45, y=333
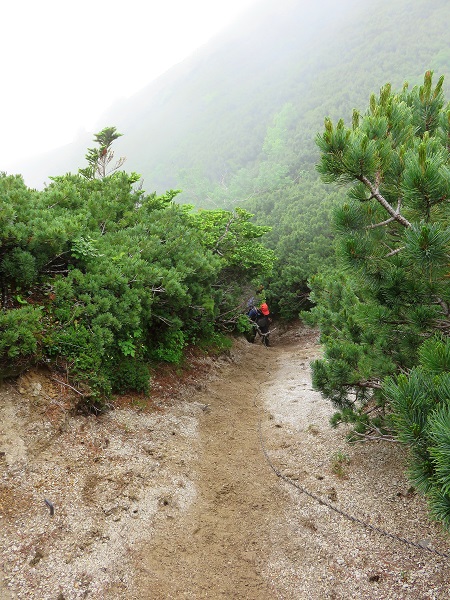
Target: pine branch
x=374, y=384
x=444, y=306
x=381, y=224
x=394, y=252
x=443, y=326
x=384, y=203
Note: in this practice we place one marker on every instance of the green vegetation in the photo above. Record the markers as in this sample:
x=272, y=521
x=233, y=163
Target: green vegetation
x=99, y=279
x=339, y=463
x=385, y=315
x=235, y=124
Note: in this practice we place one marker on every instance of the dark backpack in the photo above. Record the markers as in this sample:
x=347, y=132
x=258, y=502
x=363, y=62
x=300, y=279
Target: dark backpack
x=254, y=313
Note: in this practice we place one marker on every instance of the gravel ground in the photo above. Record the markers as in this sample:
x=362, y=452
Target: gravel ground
x=173, y=497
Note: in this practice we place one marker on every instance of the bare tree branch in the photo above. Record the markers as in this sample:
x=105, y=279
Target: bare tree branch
x=394, y=252
x=227, y=228
x=384, y=203
x=70, y=386
x=375, y=225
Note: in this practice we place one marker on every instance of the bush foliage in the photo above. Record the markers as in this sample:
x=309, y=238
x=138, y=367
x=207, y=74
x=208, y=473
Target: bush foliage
x=100, y=278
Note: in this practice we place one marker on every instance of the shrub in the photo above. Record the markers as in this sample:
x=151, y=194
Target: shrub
x=19, y=266
x=170, y=348
x=421, y=416
x=20, y=330
x=129, y=373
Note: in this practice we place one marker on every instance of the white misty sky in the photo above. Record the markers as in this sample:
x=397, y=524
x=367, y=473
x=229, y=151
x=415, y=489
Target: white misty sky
x=64, y=63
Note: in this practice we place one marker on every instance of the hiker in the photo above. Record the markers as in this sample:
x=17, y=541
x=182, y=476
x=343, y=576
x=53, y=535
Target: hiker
x=261, y=318
x=253, y=313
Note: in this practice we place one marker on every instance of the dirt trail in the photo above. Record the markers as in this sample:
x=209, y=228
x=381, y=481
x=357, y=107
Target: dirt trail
x=218, y=547
x=177, y=500
x=249, y=535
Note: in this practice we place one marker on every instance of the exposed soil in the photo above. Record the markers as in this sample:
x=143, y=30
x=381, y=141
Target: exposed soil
x=173, y=496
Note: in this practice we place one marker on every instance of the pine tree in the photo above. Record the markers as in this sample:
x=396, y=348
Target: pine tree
x=99, y=158
x=393, y=293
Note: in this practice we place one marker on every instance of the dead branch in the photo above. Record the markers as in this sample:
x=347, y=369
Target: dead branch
x=70, y=386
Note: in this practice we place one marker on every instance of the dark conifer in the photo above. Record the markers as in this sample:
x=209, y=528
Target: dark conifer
x=393, y=293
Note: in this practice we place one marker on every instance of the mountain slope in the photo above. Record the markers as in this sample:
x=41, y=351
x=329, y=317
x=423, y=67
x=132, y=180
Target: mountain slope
x=209, y=116
x=214, y=115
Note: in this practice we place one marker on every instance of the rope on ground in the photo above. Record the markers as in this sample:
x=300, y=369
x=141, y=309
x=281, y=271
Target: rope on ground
x=337, y=510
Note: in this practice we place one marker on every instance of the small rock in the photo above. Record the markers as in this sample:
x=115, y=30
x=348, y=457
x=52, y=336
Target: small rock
x=37, y=557
x=332, y=494
x=36, y=389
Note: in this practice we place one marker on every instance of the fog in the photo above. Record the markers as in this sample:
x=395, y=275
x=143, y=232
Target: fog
x=210, y=111
x=64, y=63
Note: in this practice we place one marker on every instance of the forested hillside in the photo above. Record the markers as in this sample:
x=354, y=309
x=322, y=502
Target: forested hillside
x=208, y=117
x=301, y=60
x=235, y=124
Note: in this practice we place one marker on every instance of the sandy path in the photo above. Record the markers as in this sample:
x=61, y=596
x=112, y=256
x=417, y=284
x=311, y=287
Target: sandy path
x=249, y=535
x=217, y=549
